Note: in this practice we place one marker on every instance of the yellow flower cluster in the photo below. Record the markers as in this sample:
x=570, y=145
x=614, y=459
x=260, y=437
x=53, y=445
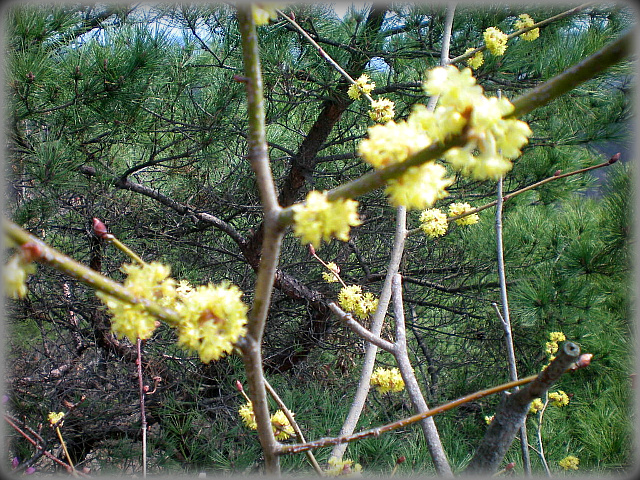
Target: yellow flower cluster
x=263, y=12
x=330, y=277
x=361, y=86
x=569, y=463
x=476, y=60
x=213, y=319
x=493, y=141
x=559, y=399
x=54, y=418
x=387, y=380
x=456, y=209
x=319, y=219
x=339, y=468
x=419, y=187
x=525, y=21
x=14, y=276
x=247, y=415
x=392, y=143
x=536, y=406
x=495, y=40
x=147, y=281
x=557, y=337
x=551, y=347
x=497, y=140
x=352, y=300
x=433, y=222
x=382, y=110
x=488, y=419
x=282, y=429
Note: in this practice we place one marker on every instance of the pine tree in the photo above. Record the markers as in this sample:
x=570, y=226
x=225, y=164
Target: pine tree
x=137, y=116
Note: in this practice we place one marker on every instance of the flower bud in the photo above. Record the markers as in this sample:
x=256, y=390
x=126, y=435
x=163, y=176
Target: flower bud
x=312, y=250
x=401, y=459
x=31, y=251
x=615, y=158
x=99, y=228
x=239, y=386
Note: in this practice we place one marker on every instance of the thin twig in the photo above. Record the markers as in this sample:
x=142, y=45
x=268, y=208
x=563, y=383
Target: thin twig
x=539, y=24
x=515, y=193
x=322, y=53
x=294, y=424
x=143, y=416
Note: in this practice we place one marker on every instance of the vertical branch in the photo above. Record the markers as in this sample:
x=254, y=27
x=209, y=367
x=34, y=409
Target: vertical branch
x=385, y=296
x=257, y=146
x=411, y=384
x=446, y=42
x=376, y=327
x=143, y=416
x=506, y=323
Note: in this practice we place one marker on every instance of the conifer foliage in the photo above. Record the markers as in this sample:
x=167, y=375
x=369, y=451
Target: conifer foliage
x=135, y=148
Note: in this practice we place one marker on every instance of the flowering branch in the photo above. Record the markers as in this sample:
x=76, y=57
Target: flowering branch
x=519, y=32
x=43, y=253
x=587, y=69
x=509, y=196
x=321, y=51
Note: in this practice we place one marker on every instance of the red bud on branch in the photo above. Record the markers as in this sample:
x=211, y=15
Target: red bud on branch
x=312, y=250
x=31, y=251
x=99, y=228
x=615, y=158
x=239, y=386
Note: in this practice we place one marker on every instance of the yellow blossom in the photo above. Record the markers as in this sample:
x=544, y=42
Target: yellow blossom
x=476, y=60
x=557, y=337
x=214, y=317
x=559, y=399
x=456, y=89
x=551, y=348
x=488, y=419
x=391, y=143
x=525, y=21
x=361, y=86
x=493, y=141
x=14, y=275
x=263, y=12
x=352, y=300
x=248, y=417
x=536, y=406
x=433, y=222
x=282, y=429
x=569, y=463
x=387, y=380
x=342, y=468
x=331, y=277
x=149, y=281
x=495, y=40
x=382, y=110
x=419, y=187
x=319, y=219
x=456, y=209
x=183, y=288
x=54, y=418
